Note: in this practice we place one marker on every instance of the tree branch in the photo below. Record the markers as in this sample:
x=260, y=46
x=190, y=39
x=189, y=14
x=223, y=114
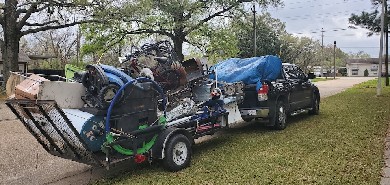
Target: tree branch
x=211, y=17
x=41, y=24
x=44, y=28
x=141, y=31
x=30, y=11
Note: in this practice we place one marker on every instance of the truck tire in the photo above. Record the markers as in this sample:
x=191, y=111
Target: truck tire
x=315, y=109
x=278, y=120
x=177, y=153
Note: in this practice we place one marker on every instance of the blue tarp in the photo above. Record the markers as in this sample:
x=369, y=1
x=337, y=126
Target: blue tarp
x=248, y=70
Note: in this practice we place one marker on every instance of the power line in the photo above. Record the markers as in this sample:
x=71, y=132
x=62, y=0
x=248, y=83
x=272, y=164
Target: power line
x=322, y=15
x=317, y=5
x=359, y=47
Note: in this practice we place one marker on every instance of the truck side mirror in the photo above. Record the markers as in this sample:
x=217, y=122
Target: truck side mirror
x=311, y=76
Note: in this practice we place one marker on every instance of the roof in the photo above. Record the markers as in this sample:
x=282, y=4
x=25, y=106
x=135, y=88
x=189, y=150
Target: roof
x=23, y=58
x=363, y=61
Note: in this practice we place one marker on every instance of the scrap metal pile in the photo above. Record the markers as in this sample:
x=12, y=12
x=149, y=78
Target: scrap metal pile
x=108, y=114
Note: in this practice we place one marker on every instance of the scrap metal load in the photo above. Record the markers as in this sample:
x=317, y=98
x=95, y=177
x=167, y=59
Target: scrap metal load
x=158, y=61
x=110, y=116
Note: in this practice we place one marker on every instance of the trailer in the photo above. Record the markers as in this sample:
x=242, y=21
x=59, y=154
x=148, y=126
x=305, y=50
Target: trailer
x=119, y=118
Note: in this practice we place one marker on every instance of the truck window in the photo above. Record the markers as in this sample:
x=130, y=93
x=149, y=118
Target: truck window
x=293, y=72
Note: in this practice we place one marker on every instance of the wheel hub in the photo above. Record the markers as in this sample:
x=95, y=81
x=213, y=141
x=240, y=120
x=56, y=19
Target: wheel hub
x=180, y=153
x=282, y=115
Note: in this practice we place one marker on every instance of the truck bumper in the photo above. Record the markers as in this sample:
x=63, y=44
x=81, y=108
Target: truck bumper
x=254, y=113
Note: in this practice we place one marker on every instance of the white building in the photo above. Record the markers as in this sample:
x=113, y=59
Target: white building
x=356, y=67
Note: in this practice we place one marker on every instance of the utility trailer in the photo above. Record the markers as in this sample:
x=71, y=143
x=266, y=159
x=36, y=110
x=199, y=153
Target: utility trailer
x=131, y=127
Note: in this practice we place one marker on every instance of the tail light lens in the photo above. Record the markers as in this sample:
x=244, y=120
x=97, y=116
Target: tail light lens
x=262, y=94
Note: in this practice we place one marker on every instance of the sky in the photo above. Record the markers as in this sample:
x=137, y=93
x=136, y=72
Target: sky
x=308, y=17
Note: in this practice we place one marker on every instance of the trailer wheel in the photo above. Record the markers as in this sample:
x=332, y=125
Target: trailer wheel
x=177, y=153
x=280, y=116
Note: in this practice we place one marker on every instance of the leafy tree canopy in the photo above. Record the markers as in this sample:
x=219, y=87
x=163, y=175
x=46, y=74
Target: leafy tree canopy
x=175, y=19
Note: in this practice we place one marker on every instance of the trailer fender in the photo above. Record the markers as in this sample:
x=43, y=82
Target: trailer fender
x=162, y=139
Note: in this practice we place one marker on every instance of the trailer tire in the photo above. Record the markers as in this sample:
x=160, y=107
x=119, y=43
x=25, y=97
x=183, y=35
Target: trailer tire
x=177, y=153
x=279, y=119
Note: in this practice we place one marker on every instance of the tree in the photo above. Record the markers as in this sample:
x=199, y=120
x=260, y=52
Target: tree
x=175, y=19
x=267, y=34
x=366, y=72
x=59, y=45
x=372, y=22
x=359, y=54
x=20, y=18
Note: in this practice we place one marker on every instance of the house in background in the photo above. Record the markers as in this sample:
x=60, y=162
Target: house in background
x=356, y=67
x=23, y=63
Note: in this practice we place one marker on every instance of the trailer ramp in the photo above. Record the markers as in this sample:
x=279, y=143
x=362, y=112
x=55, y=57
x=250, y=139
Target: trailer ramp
x=53, y=130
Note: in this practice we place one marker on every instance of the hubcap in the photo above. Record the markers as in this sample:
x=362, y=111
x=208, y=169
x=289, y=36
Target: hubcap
x=282, y=115
x=180, y=153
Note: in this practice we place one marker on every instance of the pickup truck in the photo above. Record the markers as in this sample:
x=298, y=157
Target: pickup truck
x=290, y=94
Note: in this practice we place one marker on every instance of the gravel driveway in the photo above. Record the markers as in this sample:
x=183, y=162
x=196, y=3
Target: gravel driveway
x=24, y=161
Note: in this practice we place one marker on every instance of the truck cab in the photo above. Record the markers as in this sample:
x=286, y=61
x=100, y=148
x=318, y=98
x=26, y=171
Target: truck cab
x=290, y=94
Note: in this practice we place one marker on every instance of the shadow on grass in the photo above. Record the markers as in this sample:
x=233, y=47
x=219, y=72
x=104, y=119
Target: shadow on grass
x=129, y=168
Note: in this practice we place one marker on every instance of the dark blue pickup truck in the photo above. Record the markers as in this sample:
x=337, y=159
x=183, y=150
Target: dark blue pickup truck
x=290, y=94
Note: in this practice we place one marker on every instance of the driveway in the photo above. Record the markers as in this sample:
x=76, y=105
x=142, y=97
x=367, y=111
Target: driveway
x=24, y=161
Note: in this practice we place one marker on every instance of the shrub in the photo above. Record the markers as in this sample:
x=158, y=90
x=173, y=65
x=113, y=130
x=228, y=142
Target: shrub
x=366, y=72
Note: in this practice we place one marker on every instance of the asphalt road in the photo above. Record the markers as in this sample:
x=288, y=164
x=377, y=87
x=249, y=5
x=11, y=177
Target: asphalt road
x=24, y=161
x=332, y=87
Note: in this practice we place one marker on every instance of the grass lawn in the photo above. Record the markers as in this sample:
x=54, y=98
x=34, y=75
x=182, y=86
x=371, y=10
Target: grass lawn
x=342, y=145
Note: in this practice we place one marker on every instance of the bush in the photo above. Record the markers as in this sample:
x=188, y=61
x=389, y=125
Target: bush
x=366, y=72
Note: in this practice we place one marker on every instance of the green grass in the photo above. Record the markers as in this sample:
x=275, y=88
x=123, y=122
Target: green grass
x=342, y=145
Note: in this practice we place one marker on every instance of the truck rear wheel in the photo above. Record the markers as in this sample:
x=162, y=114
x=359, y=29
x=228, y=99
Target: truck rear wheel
x=278, y=120
x=177, y=153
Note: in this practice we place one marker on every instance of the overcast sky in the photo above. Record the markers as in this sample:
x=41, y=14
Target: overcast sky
x=307, y=17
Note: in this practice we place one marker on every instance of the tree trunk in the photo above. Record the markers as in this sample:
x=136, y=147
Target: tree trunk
x=178, y=48
x=10, y=50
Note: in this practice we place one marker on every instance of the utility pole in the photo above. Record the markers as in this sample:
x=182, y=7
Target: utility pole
x=322, y=38
x=334, y=60
x=379, y=85
x=322, y=52
x=254, y=29
x=386, y=22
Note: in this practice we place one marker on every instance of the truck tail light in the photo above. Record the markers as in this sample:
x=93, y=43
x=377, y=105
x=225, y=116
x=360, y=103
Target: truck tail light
x=262, y=94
